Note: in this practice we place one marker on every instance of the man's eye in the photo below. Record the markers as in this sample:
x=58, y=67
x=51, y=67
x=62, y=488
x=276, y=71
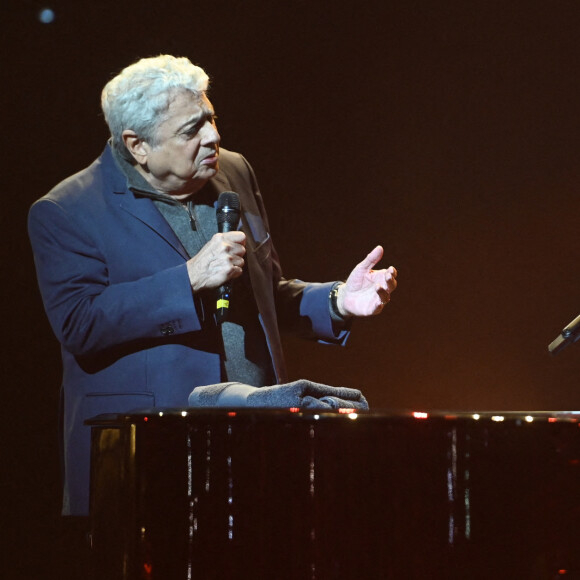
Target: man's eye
x=192, y=131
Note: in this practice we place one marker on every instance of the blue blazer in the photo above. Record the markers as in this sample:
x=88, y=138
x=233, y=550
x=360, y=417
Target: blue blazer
x=114, y=283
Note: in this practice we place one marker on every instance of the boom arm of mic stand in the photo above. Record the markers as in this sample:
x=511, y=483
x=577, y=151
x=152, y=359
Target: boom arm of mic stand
x=569, y=335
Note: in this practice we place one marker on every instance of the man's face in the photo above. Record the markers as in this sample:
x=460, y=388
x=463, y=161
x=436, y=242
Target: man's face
x=185, y=154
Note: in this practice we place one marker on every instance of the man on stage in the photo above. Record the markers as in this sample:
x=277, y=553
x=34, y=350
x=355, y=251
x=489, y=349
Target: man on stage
x=129, y=259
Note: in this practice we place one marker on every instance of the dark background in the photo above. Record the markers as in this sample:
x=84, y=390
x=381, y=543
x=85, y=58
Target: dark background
x=446, y=131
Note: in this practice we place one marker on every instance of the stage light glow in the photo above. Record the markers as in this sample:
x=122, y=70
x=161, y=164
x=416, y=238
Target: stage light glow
x=46, y=16
x=352, y=416
x=476, y=416
x=420, y=415
x=498, y=418
x=184, y=413
x=529, y=418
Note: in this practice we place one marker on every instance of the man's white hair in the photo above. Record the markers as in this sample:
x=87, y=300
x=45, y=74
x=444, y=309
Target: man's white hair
x=139, y=96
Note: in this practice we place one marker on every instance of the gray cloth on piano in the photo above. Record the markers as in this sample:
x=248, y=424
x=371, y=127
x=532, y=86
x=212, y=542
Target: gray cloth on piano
x=302, y=394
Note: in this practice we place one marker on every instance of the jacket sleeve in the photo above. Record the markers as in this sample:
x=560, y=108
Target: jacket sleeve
x=87, y=312
x=305, y=309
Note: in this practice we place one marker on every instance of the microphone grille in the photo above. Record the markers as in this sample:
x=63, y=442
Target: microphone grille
x=230, y=200
x=228, y=211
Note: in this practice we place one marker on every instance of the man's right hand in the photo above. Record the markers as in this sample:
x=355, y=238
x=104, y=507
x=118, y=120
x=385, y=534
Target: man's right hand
x=220, y=260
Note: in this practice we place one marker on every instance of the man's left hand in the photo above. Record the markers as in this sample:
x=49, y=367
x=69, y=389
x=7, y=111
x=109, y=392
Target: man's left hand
x=367, y=291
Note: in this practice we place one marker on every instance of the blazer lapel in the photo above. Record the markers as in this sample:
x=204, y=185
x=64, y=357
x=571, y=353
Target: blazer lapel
x=141, y=208
x=145, y=211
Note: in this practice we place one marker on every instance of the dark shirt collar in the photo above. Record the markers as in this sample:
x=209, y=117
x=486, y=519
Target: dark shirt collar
x=137, y=183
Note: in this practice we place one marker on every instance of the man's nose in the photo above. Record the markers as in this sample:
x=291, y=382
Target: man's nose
x=210, y=135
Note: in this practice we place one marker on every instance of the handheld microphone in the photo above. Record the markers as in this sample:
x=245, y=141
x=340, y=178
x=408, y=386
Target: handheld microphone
x=228, y=217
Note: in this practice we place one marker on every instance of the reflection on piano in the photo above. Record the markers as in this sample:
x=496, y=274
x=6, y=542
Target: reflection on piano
x=285, y=494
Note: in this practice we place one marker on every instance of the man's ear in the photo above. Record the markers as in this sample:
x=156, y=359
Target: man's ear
x=138, y=148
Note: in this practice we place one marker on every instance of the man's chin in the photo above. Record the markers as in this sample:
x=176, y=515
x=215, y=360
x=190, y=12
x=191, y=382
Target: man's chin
x=212, y=169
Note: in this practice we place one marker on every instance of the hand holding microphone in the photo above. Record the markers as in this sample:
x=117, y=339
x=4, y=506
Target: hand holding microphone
x=222, y=258
x=228, y=217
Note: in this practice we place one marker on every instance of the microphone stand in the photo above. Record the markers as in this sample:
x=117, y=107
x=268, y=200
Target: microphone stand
x=569, y=335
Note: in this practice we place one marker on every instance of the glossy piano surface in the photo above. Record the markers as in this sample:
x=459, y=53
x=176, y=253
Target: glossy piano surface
x=287, y=494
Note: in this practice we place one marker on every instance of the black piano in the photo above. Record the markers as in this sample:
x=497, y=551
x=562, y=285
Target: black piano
x=180, y=494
